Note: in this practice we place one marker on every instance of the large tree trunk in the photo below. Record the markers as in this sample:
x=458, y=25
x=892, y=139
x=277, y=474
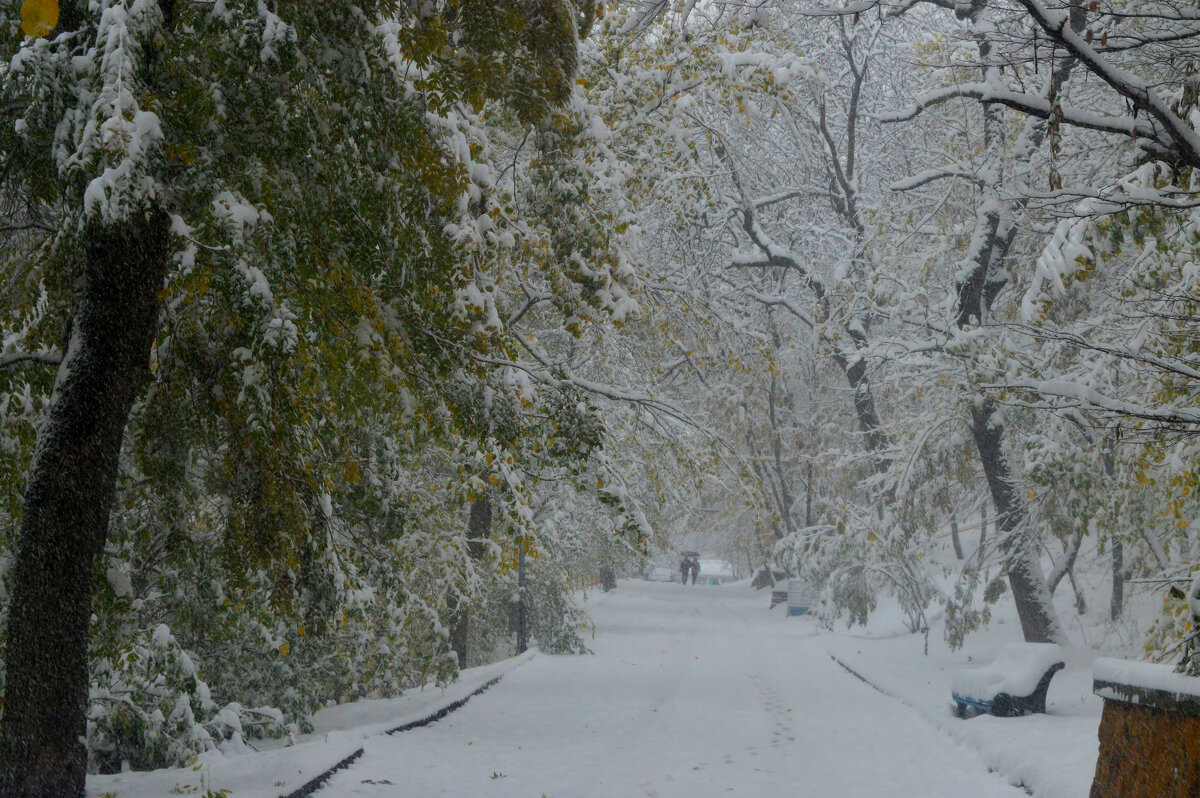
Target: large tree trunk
x=522, y=605
x=479, y=528
x=808, y=481
x=981, y=281
x=983, y=522
x=1117, y=603
x=865, y=411
x=1038, y=621
x=68, y=499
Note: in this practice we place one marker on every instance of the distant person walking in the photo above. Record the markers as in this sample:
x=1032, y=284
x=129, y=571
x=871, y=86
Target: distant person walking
x=689, y=566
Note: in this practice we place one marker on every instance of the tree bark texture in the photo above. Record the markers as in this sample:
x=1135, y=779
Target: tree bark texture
x=522, y=606
x=68, y=498
x=1038, y=621
x=1117, y=604
x=808, y=480
x=978, y=286
x=866, y=412
x=479, y=528
x=983, y=523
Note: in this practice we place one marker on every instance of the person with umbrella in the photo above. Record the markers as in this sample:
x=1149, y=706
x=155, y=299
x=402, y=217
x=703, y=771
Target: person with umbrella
x=690, y=565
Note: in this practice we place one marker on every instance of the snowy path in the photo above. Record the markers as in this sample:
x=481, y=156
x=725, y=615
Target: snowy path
x=692, y=691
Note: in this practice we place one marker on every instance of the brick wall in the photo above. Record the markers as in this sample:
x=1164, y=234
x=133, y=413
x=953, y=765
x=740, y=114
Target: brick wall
x=1147, y=752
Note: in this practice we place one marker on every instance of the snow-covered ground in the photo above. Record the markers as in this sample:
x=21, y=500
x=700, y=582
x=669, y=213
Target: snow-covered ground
x=700, y=691
x=693, y=691
x=339, y=733
x=1051, y=755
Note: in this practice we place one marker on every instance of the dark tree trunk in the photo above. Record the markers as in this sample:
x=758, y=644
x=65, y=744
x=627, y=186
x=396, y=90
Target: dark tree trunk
x=869, y=423
x=954, y=537
x=1080, y=599
x=479, y=528
x=1066, y=565
x=982, y=528
x=68, y=499
x=808, y=480
x=1025, y=577
x=864, y=409
x=782, y=472
x=1118, y=580
x=978, y=288
x=522, y=606
x=1117, y=603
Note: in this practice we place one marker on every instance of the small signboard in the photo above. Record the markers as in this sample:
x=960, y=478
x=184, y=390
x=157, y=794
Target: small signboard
x=800, y=597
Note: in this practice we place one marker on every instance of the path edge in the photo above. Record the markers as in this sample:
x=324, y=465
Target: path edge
x=1020, y=784
x=317, y=782
x=314, y=784
x=443, y=712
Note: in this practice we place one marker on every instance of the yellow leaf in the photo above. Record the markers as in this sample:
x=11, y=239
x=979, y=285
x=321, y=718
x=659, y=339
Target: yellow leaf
x=39, y=17
x=284, y=649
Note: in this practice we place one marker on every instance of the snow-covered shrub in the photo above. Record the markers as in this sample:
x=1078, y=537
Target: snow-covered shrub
x=828, y=556
x=555, y=622
x=149, y=708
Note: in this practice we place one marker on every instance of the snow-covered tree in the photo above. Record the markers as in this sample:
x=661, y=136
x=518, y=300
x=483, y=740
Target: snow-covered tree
x=284, y=214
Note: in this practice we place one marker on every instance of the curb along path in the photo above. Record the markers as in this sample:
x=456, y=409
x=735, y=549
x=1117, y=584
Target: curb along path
x=315, y=784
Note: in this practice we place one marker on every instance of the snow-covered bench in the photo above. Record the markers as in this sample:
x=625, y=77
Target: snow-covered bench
x=1015, y=684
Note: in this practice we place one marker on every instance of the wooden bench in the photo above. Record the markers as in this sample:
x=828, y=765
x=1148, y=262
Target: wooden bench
x=1014, y=685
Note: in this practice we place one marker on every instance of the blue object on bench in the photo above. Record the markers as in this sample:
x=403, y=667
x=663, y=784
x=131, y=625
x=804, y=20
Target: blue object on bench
x=1015, y=684
x=965, y=704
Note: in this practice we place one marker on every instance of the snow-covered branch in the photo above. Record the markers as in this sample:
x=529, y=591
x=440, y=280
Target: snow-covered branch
x=46, y=357
x=1086, y=396
x=1177, y=134
x=773, y=254
x=776, y=300
x=927, y=176
x=1159, y=363
x=1033, y=105
x=613, y=392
